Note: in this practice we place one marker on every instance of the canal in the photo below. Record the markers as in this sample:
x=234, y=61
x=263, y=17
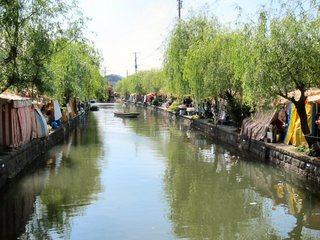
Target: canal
x=154, y=178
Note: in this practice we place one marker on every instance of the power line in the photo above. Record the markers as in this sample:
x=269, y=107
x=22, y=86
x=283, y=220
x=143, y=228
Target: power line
x=151, y=54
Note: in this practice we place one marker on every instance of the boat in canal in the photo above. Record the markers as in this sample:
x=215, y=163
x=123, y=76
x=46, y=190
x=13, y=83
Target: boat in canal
x=126, y=114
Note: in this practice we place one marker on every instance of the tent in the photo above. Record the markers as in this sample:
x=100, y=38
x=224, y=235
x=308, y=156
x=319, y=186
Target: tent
x=57, y=111
x=41, y=128
x=20, y=122
x=15, y=120
x=257, y=126
x=294, y=134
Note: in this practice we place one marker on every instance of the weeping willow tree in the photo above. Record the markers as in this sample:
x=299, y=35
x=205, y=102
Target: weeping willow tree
x=185, y=37
x=142, y=83
x=209, y=64
x=222, y=77
x=285, y=48
x=75, y=72
x=152, y=81
x=27, y=30
x=198, y=58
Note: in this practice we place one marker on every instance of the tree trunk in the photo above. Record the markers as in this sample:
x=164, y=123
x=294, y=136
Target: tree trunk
x=301, y=110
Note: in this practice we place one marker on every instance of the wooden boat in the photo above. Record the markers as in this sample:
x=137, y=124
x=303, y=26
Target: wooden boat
x=127, y=114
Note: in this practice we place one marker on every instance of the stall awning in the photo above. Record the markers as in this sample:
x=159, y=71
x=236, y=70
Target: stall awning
x=256, y=126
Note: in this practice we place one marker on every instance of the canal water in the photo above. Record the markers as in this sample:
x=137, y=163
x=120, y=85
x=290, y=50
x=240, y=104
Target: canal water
x=154, y=178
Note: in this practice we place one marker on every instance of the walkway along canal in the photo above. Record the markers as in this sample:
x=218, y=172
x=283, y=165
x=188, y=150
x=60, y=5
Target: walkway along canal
x=155, y=178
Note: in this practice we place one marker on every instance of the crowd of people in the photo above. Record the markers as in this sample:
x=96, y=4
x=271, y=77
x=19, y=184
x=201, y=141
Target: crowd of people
x=208, y=108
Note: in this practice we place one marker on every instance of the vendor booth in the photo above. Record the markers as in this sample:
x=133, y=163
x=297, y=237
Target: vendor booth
x=256, y=126
x=15, y=120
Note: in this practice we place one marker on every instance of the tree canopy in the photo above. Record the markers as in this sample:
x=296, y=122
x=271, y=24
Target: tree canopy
x=285, y=48
x=142, y=83
x=75, y=71
x=43, y=48
x=248, y=64
x=27, y=30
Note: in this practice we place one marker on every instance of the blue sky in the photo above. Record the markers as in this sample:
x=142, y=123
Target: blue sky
x=122, y=27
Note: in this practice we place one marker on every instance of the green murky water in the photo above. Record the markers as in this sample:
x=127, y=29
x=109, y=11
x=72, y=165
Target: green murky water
x=154, y=178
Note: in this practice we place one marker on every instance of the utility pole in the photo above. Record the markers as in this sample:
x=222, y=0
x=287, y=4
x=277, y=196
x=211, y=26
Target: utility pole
x=179, y=8
x=135, y=62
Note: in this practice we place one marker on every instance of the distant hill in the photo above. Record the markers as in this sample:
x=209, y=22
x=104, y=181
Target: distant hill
x=113, y=79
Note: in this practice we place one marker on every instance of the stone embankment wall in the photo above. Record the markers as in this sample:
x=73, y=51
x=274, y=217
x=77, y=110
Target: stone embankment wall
x=303, y=165
x=14, y=161
x=276, y=153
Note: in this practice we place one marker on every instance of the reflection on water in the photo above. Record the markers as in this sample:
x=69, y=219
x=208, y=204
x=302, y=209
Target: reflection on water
x=154, y=178
x=215, y=193
x=60, y=188
x=72, y=184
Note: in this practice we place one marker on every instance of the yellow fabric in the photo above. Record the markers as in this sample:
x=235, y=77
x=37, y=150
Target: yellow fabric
x=65, y=116
x=294, y=134
x=73, y=110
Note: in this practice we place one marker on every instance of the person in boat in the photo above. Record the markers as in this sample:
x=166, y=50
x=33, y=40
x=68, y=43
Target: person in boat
x=125, y=107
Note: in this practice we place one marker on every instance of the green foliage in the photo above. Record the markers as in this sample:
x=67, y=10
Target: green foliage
x=301, y=149
x=285, y=49
x=251, y=64
x=198, y=59
x=212, y=63
x=248, y=65
x=237, y=110
x=27, y=32
x=183, y=36
x=103, y=94
x=175, y=105
x=155, y=102
x=75, y=72
x=142, y=83
x=286, y=52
